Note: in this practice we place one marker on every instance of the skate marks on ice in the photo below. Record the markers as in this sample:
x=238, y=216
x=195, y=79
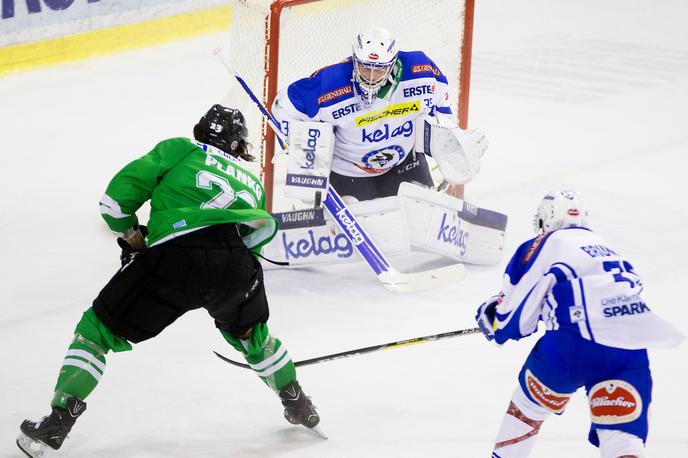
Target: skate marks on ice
x=565, y=68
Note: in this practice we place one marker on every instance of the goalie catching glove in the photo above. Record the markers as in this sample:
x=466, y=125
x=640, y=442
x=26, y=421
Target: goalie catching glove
x=456, y=151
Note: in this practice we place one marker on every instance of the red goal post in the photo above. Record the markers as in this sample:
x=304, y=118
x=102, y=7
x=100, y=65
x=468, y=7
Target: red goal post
x=275, y=42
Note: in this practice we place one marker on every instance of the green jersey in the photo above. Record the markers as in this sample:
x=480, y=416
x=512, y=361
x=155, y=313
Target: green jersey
x=190, y=186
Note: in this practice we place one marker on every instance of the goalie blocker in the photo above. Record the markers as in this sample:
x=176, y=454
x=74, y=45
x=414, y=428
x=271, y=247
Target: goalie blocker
x=417, y=219
x=311, y=146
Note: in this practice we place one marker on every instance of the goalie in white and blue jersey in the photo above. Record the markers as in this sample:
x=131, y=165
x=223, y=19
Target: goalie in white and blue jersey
x=365, y=122
x=598, y=329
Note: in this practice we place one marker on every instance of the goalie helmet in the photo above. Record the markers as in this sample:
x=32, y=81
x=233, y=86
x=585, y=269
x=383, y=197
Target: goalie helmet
x=374, y=55
x=560, y=209
x=224, y=128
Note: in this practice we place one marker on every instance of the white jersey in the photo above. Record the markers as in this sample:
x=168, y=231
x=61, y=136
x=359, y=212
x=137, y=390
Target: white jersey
x=573, y=282
x=369, y=140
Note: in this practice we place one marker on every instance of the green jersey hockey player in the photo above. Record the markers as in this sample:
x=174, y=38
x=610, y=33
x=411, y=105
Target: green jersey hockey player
x=207, y=220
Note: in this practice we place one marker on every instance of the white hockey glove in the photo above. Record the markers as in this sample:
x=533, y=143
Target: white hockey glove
x=456, y=151
x=486, y=316
x=311, y=146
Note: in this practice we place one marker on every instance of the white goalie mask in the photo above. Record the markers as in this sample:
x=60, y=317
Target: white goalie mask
x=560, y=209
x=374, y=55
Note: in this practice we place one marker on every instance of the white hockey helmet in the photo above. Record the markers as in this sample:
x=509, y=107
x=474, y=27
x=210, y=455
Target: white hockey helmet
x=374, y=55
x=560, y=209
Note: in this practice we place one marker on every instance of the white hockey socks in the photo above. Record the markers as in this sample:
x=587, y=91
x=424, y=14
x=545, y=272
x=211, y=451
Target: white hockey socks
x=619, y=444
x=520, y=425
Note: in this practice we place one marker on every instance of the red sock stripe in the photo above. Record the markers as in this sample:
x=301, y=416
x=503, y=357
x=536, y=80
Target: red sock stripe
x=516, y=413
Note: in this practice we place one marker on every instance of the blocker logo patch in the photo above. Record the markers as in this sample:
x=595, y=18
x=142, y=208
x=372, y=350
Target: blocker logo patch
x=556, y=402
x=613, y=402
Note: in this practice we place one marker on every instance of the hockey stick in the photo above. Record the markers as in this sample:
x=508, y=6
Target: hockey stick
x=361, y=351
x=391, y=278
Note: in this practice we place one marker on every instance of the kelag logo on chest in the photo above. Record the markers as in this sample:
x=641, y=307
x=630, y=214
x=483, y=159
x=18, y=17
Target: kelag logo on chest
x=385, y=133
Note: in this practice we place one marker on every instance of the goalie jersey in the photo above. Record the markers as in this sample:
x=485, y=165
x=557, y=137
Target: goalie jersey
x=369, y=140
x=574, y=282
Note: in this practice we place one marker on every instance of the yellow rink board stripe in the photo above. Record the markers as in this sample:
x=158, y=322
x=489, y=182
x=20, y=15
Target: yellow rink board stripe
x=114, y=39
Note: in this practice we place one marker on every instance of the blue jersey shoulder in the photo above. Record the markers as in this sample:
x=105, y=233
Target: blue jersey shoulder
x=415, y=64
x=525, y=256
x=528, y=252
x=323, y=88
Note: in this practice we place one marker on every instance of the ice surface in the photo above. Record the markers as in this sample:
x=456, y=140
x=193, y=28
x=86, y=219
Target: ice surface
x=589, y=94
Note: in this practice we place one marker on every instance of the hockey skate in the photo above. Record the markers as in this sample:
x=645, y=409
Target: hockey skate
x=298, y=408
x=39, y=438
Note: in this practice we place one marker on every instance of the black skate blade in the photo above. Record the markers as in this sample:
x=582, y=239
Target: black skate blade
x=33, y=448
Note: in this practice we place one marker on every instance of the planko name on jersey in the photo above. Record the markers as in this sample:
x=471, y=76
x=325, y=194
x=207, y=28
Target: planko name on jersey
x=237, y=173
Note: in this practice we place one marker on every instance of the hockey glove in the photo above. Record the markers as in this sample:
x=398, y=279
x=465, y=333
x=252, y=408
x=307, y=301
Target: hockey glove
x=128, y=252
x=486, y=316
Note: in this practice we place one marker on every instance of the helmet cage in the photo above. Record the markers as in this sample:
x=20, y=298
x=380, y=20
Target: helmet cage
x=374, y=54
x=369, y=89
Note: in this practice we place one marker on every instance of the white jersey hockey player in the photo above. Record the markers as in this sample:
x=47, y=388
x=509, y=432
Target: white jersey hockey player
x=382, y=107
x=597, y=331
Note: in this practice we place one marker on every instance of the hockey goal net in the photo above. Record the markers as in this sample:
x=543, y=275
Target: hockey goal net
x=274, y=42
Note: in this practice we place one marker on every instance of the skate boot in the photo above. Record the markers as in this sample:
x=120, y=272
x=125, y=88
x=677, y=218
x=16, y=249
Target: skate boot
x=298, y=408
x=50, y=431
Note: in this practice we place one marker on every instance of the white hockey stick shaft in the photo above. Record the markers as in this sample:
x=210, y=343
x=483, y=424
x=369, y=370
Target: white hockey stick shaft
x=391, y=278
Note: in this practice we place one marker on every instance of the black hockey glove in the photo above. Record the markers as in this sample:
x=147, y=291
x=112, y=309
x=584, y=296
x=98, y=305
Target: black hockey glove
x=128, y=253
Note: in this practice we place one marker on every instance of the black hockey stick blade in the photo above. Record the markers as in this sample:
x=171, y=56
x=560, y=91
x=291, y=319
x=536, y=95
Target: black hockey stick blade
x=227, y=360
x=360, y=351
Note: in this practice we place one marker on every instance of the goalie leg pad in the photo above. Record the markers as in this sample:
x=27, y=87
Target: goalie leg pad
x=442, y=224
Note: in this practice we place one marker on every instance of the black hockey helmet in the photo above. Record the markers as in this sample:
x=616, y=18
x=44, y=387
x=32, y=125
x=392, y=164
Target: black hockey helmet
x=224, y=128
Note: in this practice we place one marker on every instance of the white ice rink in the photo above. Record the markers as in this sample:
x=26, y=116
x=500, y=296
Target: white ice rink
x=588, y=93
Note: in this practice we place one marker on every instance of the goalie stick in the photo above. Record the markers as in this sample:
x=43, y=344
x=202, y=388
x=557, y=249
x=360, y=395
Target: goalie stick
x=391, y=278
x=361, y=351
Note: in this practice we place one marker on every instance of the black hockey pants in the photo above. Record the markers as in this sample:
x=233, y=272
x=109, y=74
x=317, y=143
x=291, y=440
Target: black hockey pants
x=209, y=268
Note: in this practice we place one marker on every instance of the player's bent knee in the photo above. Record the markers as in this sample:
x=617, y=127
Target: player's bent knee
x=620, y=444
x=521, y=424
x=526, y=405
x=253, y=344
x=93, y=330
x=543, y=395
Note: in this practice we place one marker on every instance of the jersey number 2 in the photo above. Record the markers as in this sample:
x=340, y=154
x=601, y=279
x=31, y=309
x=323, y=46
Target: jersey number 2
x=227, y=196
